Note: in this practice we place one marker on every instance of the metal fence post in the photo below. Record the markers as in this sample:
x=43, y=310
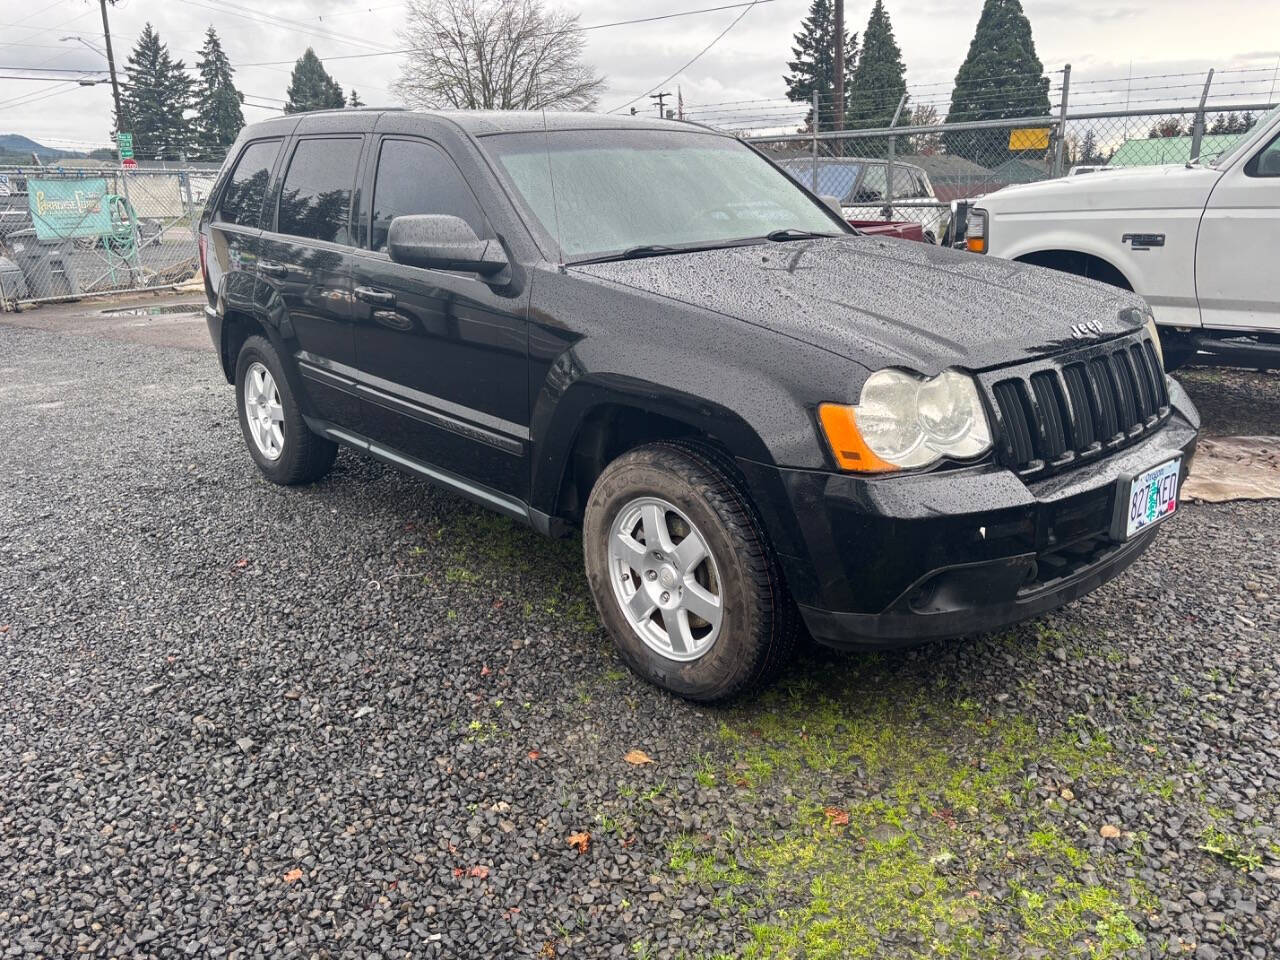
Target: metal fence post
x=888, y=190
x=814, y=127
x=1060, y=149
x=1197, y=125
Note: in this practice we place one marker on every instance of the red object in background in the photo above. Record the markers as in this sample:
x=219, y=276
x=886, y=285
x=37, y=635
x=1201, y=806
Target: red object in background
x=880, y=228
x=129, y=163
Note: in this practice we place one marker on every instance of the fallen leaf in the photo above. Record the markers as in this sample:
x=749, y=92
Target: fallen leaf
x=4, y=629
x=580, y=841
x=1148, y=747
x=637, y=757
x=534, y=754
x=479, y=872
x=242, y=563
x=293, y=876
x=457, y=871
x=1110, y=831
x=837, y=816
x=485, y=671
x=548, y=949
x=1067, y=794
x=628, y=843
x=947, y=816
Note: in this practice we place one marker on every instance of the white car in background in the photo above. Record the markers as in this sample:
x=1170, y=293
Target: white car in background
x=1200, y=241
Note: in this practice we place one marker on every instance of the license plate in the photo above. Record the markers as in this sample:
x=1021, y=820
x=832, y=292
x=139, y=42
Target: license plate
x=1152, y=496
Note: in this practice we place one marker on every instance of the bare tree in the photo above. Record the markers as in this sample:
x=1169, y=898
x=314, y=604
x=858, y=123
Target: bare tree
x=494, y=55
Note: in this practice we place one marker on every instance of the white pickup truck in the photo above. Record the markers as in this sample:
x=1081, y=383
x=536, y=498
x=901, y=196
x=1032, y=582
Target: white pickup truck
x=1200, y=241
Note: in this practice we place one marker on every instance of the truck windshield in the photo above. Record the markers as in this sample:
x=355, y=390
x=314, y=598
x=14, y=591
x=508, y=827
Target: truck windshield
x=1245, y=143
x=652, y=191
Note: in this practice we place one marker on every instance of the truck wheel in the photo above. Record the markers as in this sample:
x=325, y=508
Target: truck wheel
x=1177, y=349
x=279, y=440
x=682, y=575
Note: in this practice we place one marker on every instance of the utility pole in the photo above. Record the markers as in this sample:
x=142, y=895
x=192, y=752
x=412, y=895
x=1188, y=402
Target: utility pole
x=660, y=98
x=111, y=63
x=837, y=114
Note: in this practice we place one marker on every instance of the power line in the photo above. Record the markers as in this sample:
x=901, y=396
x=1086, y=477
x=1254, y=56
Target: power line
x=589, y=27
x=695, y=58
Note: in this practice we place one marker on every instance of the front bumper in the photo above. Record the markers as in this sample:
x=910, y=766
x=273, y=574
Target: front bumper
x=895, y=561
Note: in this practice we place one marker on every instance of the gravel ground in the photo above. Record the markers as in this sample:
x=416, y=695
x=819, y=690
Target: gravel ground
x=365, y=718
x=1235, y=403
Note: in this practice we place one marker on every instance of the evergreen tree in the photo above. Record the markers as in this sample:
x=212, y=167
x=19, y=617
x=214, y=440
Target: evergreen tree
x=879, y=79
x=311, y=87
x=814, y=66
x=155, y=101
x=354, y=100
x=1001, y=77
x=220, y=117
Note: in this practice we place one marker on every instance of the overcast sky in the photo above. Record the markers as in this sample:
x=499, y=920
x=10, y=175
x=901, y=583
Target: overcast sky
x=1102, y=39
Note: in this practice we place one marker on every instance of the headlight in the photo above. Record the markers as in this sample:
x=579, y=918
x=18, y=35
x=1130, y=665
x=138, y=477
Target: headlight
x=1154, y=333
x=975, y=231
x=903, y=420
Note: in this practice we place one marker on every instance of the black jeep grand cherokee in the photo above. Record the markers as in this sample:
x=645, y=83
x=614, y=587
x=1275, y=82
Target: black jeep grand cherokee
x=645, y=328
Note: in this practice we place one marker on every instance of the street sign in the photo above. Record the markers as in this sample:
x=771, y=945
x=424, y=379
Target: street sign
x=125, y=142
x=129, y=163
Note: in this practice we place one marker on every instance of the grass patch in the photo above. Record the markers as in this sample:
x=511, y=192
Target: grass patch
x=924, y=865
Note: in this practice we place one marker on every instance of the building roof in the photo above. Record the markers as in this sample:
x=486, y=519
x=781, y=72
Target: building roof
x=938, y=165
x=1021, y=170
x=1153, y=151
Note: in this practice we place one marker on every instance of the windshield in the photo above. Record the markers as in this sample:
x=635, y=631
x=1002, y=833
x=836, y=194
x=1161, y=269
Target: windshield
x=619, y=190
x=1256, y=132
x=834, y=179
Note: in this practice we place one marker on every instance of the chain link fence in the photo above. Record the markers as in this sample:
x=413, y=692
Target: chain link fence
x=68, y=233
x=922, y=171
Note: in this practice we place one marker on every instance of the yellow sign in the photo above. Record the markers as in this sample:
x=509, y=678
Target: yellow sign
x=1030, y=139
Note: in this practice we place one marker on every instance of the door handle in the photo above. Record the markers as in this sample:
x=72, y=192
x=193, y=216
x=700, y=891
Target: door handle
x=379, y=298
x=273, y=269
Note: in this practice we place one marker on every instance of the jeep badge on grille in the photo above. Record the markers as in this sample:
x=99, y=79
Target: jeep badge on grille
x=1087, y=329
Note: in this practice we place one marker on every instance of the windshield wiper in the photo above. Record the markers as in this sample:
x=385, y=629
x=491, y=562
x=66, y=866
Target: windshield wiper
x=794, y=233
x=645, y=250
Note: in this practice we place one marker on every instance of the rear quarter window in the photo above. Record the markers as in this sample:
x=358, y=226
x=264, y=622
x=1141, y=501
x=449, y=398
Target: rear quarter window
x=242, y=199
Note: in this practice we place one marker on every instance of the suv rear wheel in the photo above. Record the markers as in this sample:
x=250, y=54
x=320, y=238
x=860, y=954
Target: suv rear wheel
x=279, y=440
x=682, y=575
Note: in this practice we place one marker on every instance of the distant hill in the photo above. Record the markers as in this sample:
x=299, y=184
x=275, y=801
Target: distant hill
x=17, y=145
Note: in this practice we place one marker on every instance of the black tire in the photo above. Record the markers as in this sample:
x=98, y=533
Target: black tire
x=1177, y=349
x=304, y=457
x=759, y=621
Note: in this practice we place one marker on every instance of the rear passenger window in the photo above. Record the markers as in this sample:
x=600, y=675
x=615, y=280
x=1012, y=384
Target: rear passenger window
x=315, y=200
x=416, y=177
x=242, y=199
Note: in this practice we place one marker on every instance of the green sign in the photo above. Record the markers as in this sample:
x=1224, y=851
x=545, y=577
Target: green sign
x=62, y=209
x=125, y=142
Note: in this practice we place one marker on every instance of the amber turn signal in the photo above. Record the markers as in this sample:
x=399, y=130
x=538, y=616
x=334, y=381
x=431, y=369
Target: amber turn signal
x=976, y=244
x=840, y=426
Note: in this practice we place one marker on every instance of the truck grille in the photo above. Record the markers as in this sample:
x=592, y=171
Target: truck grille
x=1053, y=414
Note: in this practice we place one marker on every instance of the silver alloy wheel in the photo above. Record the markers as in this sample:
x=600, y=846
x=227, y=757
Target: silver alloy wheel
x=665, y=579
x=263, y=411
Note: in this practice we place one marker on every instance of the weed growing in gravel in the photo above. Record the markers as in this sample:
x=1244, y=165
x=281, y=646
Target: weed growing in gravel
x=1235, y=851
x=479, y=545
x=917, y=819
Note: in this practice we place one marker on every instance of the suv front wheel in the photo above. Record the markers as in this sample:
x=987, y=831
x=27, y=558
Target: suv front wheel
x=682, y=575
x=279, y=440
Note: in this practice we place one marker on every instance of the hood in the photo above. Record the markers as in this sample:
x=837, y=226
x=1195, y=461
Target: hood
x=1169, y=187
x=884, y=302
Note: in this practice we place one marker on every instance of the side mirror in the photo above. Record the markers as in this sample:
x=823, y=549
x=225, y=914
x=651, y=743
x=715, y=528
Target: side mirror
x=834, y=203
x=443, y=242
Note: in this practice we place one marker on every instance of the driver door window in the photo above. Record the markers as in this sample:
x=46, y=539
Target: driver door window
x=874, y=185
x=416, y=177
